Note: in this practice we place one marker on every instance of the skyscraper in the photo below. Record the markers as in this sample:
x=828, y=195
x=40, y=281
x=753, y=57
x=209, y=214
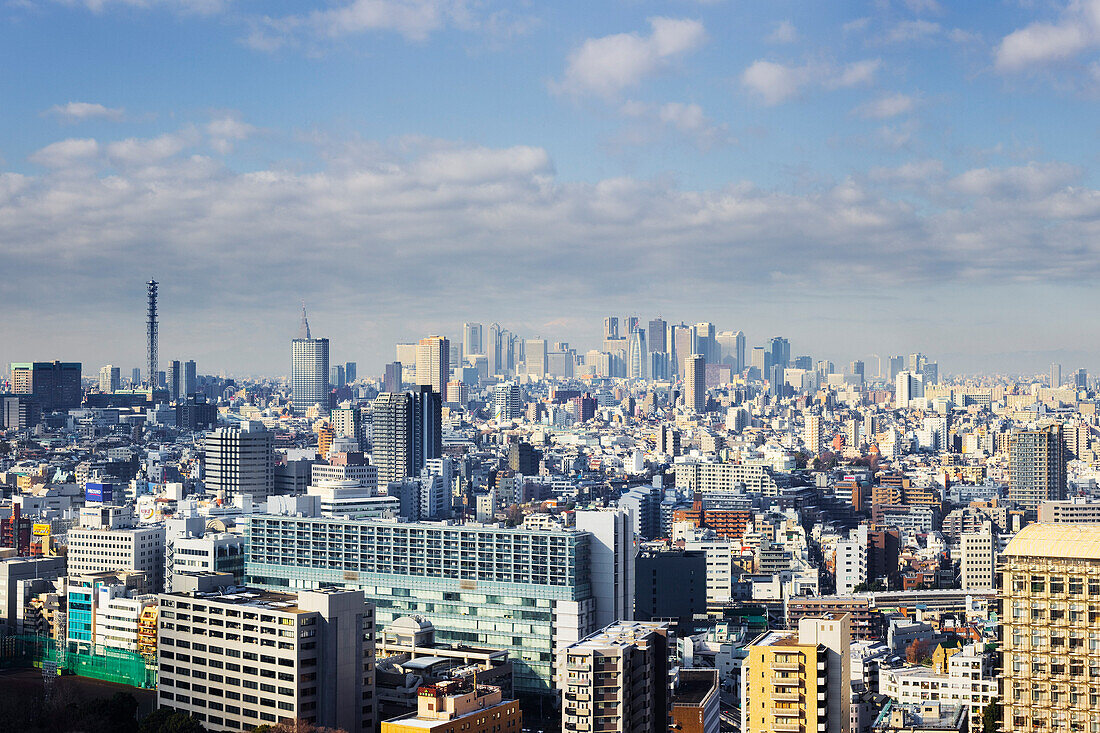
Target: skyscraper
x=472, y=340
x=535, y=356
x=391, y=449
x=493, y=349
x=658, y=335
x=739, y=340
x=309, y=370
x=1050, y=583
x=611, y=327
x=813, y=437
x=350, y=369
x=433, y=363
x=1055, y=376
x=681, y=348
x=780, y=349
x=636, y=361
x=175, y=377
x=507, y=401
x=695, y=384
x=110, y=378
x=391, y=380
x=189, y=385
x=1037, y=466
x=702, y=341
x=427, y=427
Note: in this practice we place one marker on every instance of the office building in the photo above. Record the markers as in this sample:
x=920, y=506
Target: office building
x=309, y=370
x=525, y=591
x=239, y=459
x=110, y=378
x=617, y=680
x=113, y=548
x=433, y=363
x=637, y=360
x=1037, y=466
x=658, y=335
x=535, y=356
x=16, y=573
x=696, y=707
x=392, y=380
x=695, y=384
x=189, y=382
x=350, y=371
x=55, y=384
x=267, y=657
x=703, y=341
x=473, y=341
x=210, y=553
x=799, y=680
x=1055, y=376
x=461, y=705
x=19, y=412
x=135, y=378
x=979, y=558
x=611, y=327
x=1072, y=511
x=104, y=609
x=670, y=585
x=175, y=379
x=427, y=427
x=908, y=386
x=1048, y=591
x=336, y=376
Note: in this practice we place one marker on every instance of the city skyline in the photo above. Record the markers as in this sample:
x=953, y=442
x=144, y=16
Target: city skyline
x=907, y=173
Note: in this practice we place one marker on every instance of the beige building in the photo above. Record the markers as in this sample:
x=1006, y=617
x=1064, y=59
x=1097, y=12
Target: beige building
x=813, y=436
x=1037, y=466
x=695, y=383
x=238, y=660
x=459, y=706
x=1049, y=592
x=799, y=681
x=616, y=680
x=1071, y=511
x=433, y=363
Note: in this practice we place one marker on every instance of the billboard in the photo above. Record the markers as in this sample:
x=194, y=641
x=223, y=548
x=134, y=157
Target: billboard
x=98, y=492
x=40, y=530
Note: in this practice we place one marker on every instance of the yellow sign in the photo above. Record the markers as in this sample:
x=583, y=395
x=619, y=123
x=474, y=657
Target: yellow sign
x=40, y=530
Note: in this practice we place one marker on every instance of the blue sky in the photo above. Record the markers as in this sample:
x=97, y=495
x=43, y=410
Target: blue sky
x=865, y=178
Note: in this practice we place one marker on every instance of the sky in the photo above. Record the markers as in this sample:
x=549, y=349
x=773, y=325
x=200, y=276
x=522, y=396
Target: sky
x=861, y=177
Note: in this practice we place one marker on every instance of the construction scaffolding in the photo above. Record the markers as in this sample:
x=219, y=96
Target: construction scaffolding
x=101, y=663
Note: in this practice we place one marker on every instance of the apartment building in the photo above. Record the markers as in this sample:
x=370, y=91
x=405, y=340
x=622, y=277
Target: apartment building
x=525, y=591
x=1049, y=592
x=799, y=680
x=618, y=679
x=238, y=660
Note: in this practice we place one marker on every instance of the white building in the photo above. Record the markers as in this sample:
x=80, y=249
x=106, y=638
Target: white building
x=969, y=681
x=117, y=616
x=851, y=561
x=96, y=550
x=240, y=459
x=307, y=656
x=979, y=559
x=611, y=558
x=363, y=473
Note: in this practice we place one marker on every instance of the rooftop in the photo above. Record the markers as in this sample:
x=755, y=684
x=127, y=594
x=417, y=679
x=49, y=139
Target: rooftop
x=1069, y=541
x=695, y=685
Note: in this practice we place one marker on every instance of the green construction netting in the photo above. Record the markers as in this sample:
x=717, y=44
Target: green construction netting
x=101, y=663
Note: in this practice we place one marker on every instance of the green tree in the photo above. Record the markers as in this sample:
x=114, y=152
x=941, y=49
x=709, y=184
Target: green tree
x=991, y=717
x=164, y=720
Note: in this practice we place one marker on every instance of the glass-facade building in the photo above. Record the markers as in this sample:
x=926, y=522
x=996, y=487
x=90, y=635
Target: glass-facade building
x=526, y=591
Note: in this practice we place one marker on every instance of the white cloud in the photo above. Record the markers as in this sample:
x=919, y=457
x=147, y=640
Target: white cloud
x=227, y=130
x=66, y=153
x=1032, y=181
x=148, y=151
x=79, y=111
x=890, y=105
x=784, y=33
x=690, y=120
x=606, y=66
x=1077, y=30
x=774, y=83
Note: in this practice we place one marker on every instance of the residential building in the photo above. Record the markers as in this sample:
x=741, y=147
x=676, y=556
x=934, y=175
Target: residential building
x=799, y=680
x=978, y=564
x=814, y=436
x=696, y=706
x=528, y=592
x=612, y=563
x=1037, y=466
x=617, y=680
x=695, y=383
x=1048, y=590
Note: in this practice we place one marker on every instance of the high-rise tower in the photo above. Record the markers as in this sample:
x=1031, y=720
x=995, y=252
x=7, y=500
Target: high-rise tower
x=151, y=329
x=309, y=369
x=433, y=362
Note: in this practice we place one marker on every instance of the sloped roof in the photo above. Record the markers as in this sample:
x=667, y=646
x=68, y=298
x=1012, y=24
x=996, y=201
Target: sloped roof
x=1070, y=541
